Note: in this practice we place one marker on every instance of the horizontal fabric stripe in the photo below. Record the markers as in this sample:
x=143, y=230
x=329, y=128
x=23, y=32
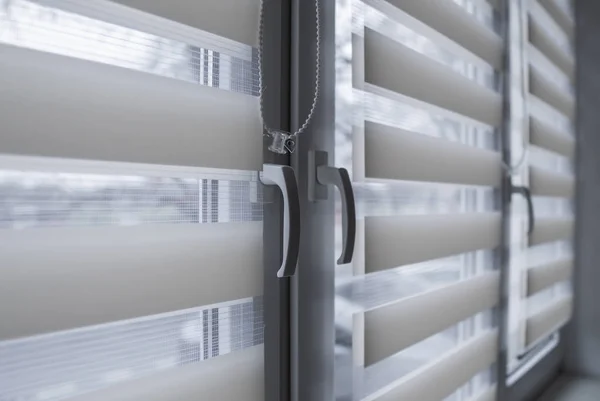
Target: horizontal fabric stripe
x=395, y=241
x=543, y=276
x=393, y=153
x=545, y=35
x=547, y=183
x=549, y=320
x=439, y=379
x=456, y=23
x=212, y=16
x=563, y=16
x=547, y=136
x=392, y=328
x=59, y=279
x=546, y=89
x=57, y=106
x=551, y=229
x=418, y=76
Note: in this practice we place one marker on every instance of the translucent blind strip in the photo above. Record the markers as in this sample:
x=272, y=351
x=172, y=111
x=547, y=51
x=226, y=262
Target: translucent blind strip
x=390, y=198
x=392, y=328
x=546, y=160
x=488, y=395
x=395, y=241
x=58, y=279
x=37, y=199
x=448, y=373
x=105, y=32
x=116, y=114
x=553, y=207
x=375, y=290
x=549, y=252
x=392, y=153
x=69, y=363
x=420, y=77
x=385, y=107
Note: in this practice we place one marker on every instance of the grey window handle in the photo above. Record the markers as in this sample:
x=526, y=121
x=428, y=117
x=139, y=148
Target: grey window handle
x=285, y=178
x=340, y=178
x=526, y=192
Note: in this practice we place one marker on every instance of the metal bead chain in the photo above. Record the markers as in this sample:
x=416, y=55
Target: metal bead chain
x=309, y=117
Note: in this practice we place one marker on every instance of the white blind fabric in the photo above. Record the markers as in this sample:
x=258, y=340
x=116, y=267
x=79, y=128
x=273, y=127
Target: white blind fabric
x=418, y=76
x=548, y=183
x=551, y=229
x=57, y=106
x=466, y=29
x=561, y=13
x=392, y=153
x=549, y=320
x=546, y=35
x=141, y=278
x=401, y=240
x=548, y=136
x=232, y=19
x=397, y=326
x=550, y=83
x=448, y=373
x=64, y=278
x=543, y=276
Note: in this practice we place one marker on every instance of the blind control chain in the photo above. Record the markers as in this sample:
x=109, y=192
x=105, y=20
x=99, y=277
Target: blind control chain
x=285, y=142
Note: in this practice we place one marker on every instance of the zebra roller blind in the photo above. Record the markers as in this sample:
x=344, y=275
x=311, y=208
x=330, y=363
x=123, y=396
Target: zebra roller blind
x=551, y=108
x=131, y=233
x=420, y=133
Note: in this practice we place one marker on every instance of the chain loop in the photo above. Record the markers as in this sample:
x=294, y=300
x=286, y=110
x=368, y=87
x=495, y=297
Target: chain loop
x=289, y=140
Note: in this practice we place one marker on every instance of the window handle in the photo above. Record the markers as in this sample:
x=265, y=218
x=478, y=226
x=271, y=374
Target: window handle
x=526, y=192
x=325, y=175
x=285, y=178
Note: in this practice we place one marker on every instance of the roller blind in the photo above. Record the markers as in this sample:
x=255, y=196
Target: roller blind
x=131, y=204
x=425, y=165
x=551, y=105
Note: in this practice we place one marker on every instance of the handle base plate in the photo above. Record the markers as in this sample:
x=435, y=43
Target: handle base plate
x=316, y=190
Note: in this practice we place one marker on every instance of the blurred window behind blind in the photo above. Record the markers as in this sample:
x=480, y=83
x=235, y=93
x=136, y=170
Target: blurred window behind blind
x=130, y=206
x=418, y=116
x=542, y=300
